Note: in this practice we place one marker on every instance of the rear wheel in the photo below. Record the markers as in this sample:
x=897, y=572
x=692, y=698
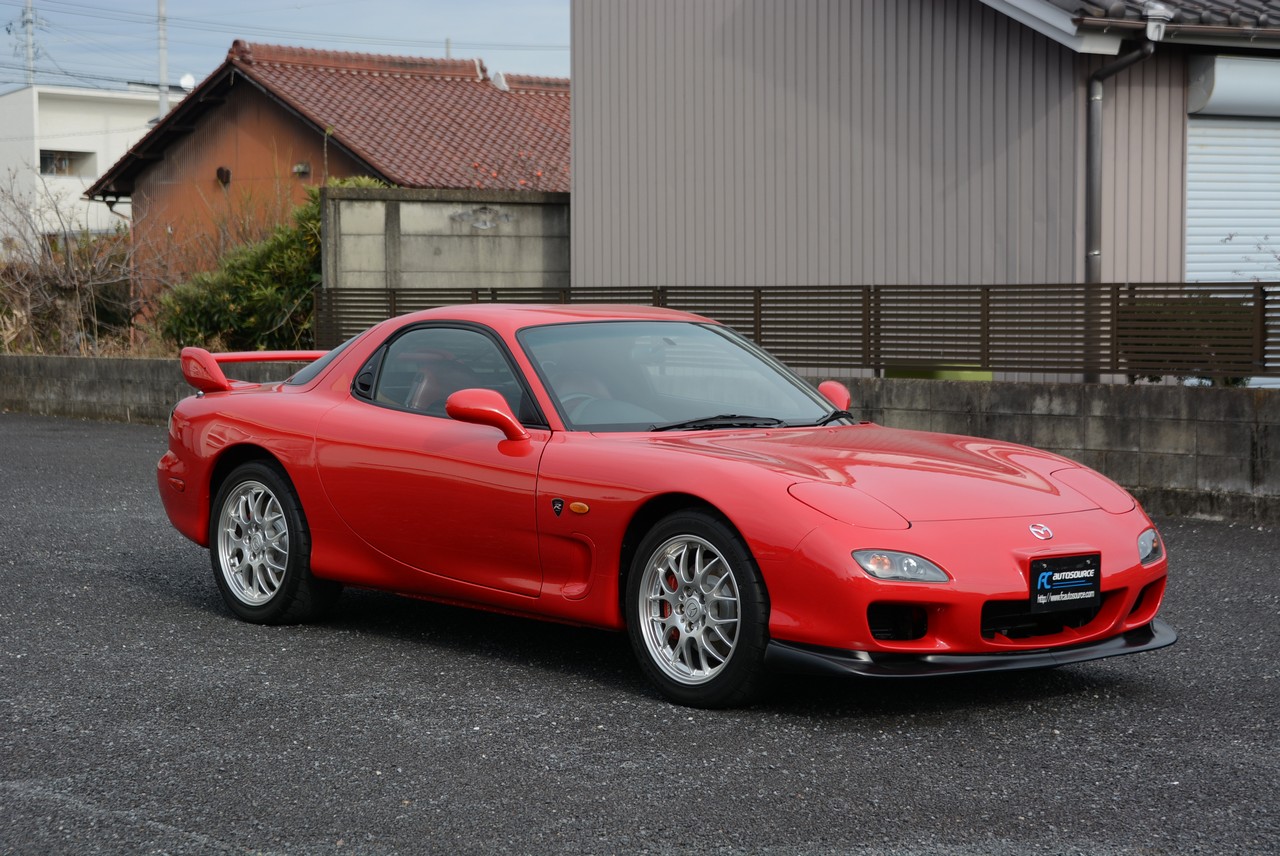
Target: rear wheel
x=697, y=612
x=260, y=549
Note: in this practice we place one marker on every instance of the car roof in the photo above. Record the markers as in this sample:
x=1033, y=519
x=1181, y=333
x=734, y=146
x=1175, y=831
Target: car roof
x=507, y=318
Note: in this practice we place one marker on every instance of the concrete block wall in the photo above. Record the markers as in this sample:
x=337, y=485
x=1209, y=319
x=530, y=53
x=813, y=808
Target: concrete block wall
x=397, y=239
x=1183, y=451
x=119, y=389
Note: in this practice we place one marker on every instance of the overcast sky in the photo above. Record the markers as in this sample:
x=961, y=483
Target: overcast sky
x=108, y=43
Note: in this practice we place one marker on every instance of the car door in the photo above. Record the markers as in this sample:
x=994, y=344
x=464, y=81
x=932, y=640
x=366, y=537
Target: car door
x=438, y=496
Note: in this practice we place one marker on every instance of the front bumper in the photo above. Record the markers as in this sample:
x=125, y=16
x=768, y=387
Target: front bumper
x=790, y=657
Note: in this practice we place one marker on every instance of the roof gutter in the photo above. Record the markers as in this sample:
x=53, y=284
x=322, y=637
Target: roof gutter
x=1188, y=34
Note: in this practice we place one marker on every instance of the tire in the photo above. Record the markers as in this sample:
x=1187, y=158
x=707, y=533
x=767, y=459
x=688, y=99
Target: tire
x=697, y=612
x=260, y=549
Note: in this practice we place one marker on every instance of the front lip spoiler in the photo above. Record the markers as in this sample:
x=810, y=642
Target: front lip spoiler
x=792, y=657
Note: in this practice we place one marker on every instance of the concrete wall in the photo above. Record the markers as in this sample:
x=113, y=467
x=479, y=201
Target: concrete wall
x=1184, y=451
x=120, y=389
x=390, y=238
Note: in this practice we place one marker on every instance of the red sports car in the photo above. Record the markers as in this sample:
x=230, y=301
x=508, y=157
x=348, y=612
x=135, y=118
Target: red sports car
x=650, y=470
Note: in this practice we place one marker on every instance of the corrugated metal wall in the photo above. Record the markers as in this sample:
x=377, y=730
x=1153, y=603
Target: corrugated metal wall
x=1144, y=144
x=833, y=142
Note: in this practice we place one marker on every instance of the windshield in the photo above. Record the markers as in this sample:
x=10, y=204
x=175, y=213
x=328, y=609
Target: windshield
x=665, y=375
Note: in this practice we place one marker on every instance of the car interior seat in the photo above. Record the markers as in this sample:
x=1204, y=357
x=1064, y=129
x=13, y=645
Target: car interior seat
x=436, y=381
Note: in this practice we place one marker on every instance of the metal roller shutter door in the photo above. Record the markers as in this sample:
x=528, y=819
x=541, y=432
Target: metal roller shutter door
x=1233, y=199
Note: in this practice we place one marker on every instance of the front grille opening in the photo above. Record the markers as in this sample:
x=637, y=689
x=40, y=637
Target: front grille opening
x=897, y=622
x=1015, y=620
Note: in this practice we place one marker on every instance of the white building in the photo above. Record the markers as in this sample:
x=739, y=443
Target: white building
x=55, y=141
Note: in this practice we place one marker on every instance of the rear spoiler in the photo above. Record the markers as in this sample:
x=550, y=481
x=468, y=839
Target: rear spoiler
x=203, y=370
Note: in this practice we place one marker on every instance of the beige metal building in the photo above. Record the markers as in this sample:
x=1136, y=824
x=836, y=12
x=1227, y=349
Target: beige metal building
x=836, y=142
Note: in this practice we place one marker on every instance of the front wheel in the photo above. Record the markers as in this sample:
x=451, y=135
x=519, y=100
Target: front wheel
x=697, y=612
x=260, y=549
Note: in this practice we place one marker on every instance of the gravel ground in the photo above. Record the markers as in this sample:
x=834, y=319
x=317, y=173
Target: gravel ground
x=137, y=716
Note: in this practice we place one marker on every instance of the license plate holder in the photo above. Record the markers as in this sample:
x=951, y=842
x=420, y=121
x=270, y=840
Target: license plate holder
x=1066, y=582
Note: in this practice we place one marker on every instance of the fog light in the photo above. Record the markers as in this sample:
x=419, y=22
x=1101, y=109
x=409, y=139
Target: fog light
x=891, y=565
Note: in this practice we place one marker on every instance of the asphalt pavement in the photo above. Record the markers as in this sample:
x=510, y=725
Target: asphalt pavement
x=137, y=716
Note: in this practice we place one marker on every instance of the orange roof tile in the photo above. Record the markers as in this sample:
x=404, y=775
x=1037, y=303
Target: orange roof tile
x=418, y=122
x=436, y=123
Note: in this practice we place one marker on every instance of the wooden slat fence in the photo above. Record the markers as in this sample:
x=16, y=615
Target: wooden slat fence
x=1201, y=329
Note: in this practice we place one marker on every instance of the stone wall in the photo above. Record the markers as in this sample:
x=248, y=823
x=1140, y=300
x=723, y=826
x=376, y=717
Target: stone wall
x=1184, y=451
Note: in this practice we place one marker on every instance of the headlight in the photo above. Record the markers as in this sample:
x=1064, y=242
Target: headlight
x=1149, y=547
x=890, y=565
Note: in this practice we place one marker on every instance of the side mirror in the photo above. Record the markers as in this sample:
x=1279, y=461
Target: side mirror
x=837, y=393
x=485, y=407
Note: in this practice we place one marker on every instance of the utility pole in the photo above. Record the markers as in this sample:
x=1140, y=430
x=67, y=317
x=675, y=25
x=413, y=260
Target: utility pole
x=29, y=24
x=163, y=24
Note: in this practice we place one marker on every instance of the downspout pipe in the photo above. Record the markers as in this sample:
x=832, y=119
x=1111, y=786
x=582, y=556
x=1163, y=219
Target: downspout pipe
x=1093, y=159
x=1093, y=190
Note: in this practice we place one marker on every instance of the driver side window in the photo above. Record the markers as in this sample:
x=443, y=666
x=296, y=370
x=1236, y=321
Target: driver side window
x=423, y=367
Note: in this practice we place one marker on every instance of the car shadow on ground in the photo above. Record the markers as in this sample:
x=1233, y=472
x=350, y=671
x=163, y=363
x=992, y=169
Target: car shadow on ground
x=504, y=639
x=605, y=657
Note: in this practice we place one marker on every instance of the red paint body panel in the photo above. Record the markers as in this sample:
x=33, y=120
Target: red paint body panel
x=427, y=493
x=457, y=511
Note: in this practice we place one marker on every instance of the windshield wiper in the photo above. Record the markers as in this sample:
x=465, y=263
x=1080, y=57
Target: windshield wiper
x=836, y=414
x=724, y=420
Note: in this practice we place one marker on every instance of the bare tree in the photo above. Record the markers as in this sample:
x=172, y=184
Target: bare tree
x=63, y=289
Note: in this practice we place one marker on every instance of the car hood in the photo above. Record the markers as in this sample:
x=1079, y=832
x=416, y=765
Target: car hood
x=859, y=471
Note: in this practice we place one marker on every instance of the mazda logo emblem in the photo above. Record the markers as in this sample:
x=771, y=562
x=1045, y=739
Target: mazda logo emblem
x=1044, y=533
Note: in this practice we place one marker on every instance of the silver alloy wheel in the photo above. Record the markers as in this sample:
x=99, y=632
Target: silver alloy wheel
x=253, y=543
x=690, y=611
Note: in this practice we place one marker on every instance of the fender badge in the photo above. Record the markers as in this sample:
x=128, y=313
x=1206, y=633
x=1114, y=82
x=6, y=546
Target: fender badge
x=557, y=505
x=1044, y=533
x=579, y=507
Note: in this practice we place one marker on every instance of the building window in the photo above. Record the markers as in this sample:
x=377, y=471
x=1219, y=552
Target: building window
x=66, y=163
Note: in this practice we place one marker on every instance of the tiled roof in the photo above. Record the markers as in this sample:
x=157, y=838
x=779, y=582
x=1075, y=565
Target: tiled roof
x=417, y=123
x=1243, y=14
x=423, y=122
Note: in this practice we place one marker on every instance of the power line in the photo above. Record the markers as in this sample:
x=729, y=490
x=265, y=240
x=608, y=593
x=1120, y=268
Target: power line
x=78, y=76
x=28, y=138
x=116, y=47
x=212, y=26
